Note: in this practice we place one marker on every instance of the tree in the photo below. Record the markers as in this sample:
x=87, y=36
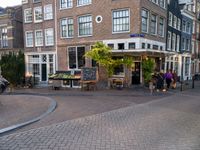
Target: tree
x=148, y=68
x=102, y=54
x=13, y=67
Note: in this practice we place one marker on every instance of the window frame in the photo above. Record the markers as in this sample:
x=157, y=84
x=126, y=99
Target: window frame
x=46, y=42
x=84, y=4
x=129, y=25
x=42, y=43
x=87, y=15
x=38, y=21
x=25, y=15
x=45, y=13
x=27, y=39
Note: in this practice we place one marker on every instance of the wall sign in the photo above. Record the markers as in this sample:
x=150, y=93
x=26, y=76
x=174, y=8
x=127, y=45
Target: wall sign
x=137, y=35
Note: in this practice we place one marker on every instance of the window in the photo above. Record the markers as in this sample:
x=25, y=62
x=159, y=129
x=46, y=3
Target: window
x=187, y=44
x=85, y=25
x=4, y=37
x=173, y=41
x=36, y=69
x=37, y=14
x=28, y=15
x=121, y=21
x=111, y=45
x=162, y=3
x=188, y=28
x=161, y=27
x=66, y=4
x=48, y=12
x=153, y=25
x=49, y=37
x=178, y=43
x=83, y=2
x=67, y=28
x=145, y=20
x=170, y=19
x=75, y=57
x=184, y=26
x=179, y=24
x=187, y=63
x=175, y=22
x=120, y=46
x=143, y=46
x=131, y=45
x=183, y=43
x=149, y=46
x=169, y=37
x=38, y=38
x=36, y=1
x=29, y=39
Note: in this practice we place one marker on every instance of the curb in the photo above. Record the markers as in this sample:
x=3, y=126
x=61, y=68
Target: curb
x=51, y=108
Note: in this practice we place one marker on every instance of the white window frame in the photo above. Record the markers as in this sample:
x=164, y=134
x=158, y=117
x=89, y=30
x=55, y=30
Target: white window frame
x=39, y=8
x=65, y=6
x=170, y=19
x=48, y=15
x=169, y=42
x=84, y=4
x=163, y=28
x=147, y=20
x=46, y=42
x=27, y=39
x=115, y=32
x=173, y=41
x=178, y=43
x=25, y=15
x=88, y=15
x=156, y=23
x=67, y=28
x=36, y=38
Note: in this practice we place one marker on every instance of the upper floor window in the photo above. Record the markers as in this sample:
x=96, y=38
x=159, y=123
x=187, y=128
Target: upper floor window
x=161, y=27
x=36, y=1
x=121, y=21
x=49, y=37
x=169, y=40
x=153, y=24
x=38, y=38
x=28, y=15
x=67, y=27
x=162, y=4
x=4, y=37
x=145, y=20
x=48, y=12
x=85, y=25
x=24, y=1
x=184, y=26
x=175, y=22
x=66, y=4
x=83, y=2
x=29, y=39
x=188, y=27
x=179, y=24
x=170, y=19
x=37, y=14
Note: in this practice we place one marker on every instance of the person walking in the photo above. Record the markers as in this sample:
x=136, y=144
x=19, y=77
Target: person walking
x=175, y=77
x=168, y=77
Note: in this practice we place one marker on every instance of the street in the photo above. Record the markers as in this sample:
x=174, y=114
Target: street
x=170, y=123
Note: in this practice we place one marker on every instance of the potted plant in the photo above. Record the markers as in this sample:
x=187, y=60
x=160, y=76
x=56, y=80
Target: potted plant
x=148, y=68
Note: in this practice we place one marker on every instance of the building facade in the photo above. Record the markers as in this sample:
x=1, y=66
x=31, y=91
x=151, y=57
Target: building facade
x=186, y=39
x=135, y=28
x=39, y=38
x=11, y=28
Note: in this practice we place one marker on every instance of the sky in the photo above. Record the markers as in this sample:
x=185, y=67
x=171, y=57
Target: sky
x=5, y=3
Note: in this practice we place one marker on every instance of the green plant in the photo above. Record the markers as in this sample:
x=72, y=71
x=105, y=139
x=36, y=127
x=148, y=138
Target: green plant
x=13, y=67
x=148, y=68
x=102, y=54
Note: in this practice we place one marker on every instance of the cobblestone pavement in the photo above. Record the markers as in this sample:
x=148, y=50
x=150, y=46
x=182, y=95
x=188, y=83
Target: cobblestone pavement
x=171, y=123
x=72, y=104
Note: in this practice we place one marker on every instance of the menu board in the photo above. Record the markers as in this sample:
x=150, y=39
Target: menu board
x=89, y=74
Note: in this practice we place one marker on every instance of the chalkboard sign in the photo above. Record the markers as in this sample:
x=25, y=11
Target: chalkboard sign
x=89, y=74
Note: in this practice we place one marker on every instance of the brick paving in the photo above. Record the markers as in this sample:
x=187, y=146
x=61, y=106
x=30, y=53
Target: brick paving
x=17, y=109
x=171, y=123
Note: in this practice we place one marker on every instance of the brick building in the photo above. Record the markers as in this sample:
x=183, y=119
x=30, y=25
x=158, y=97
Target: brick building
x=136, y=28
x=39, y=38
x=11, y=28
